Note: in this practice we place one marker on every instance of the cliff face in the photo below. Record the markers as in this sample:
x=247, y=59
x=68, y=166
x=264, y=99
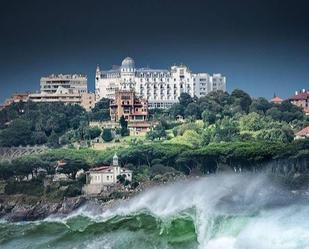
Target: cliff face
x=292, y=173
x=288, y=167
x=27, y=208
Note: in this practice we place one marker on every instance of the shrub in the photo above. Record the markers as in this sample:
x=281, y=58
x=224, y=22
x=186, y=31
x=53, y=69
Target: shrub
x=72, y=191
x=107, y=135
x=34, y=187
x=160, y=169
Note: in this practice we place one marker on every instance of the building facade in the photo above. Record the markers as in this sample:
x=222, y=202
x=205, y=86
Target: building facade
x=276, y=100
x=132, y=108
x=302, y=134
x=74, y=83
x=103, y=178
x=86, y=100
x=66, y=88
x=17, y=97
x=128, y=105
x=160, y=87
x=300, y=99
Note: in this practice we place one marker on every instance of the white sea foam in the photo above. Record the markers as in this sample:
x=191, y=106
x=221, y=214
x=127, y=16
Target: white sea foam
x=230, y=195
x=257, y=214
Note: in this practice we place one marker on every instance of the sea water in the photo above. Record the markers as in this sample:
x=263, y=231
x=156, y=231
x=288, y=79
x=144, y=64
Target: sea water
x=245, y=211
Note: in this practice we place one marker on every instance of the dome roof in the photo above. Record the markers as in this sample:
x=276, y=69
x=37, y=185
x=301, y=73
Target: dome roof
x=128, y=62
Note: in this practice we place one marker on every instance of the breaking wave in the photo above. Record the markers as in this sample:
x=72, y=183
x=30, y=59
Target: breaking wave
x=227, y=211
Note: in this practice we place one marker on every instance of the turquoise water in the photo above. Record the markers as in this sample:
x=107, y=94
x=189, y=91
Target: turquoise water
x=228, y=212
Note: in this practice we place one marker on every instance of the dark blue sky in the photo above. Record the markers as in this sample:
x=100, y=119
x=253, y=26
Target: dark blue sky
x=261, y=46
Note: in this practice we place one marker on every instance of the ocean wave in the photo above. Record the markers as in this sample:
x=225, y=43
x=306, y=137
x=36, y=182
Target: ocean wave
x=221, y=212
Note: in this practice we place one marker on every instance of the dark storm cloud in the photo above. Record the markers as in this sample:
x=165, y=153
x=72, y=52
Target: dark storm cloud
x=262, y=46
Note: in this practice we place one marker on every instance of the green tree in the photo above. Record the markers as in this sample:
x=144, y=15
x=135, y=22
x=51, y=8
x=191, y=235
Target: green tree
x=209, y=117
x=192, y=110
x=290, y=112
x=6, y=170
x=72, y=166
x=18, y=133
x=185, y=99
x=226, y=130
x=53, y=140
x=252, y=122
x=39, y=137
x=28, y=123
x=121, y=178
x=102, y=104
x=192, y=137
x=284, y=135
x=94, y=132
x=124, y=127
x=107, y=135
x=260, y=105
x=101, y=110
x=176, y=110
x=242, y=99
x=274, y=113
x=207, y=136
x=157, y=133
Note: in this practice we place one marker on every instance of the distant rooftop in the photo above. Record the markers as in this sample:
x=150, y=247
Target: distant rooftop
x=303, y=132
x=65, y=76
x=276, y=99
x=301, y=95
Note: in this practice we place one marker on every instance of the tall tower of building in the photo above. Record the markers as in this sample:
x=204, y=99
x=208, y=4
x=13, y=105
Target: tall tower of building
x=116, y=166
x=127, y=74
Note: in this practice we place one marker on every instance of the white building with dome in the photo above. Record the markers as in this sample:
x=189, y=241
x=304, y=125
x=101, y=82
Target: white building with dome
x=161, y=87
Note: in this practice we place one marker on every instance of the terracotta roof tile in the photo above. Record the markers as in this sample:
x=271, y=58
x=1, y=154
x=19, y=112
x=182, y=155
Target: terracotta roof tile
x=300, y=96
x=276, y=99
x=303, y=132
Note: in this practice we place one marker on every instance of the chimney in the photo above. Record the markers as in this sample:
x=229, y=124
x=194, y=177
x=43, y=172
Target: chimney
x=296, y=93
x=304, y=90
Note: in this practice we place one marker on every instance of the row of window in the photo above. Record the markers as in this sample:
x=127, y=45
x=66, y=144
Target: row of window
x=97, y=178
x=160, y=105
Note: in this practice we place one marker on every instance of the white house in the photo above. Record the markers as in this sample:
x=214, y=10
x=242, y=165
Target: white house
x=161, y=87
x=102, y=178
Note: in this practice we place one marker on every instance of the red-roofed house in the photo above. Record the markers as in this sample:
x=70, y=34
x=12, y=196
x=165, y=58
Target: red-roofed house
x=102, y=178
x=300, y=99
x=276, y=100
x=304, y=133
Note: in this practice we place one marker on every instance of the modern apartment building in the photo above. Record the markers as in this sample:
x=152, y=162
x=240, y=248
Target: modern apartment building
x=74, y=83
x=86, y=100
x=66, y=88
